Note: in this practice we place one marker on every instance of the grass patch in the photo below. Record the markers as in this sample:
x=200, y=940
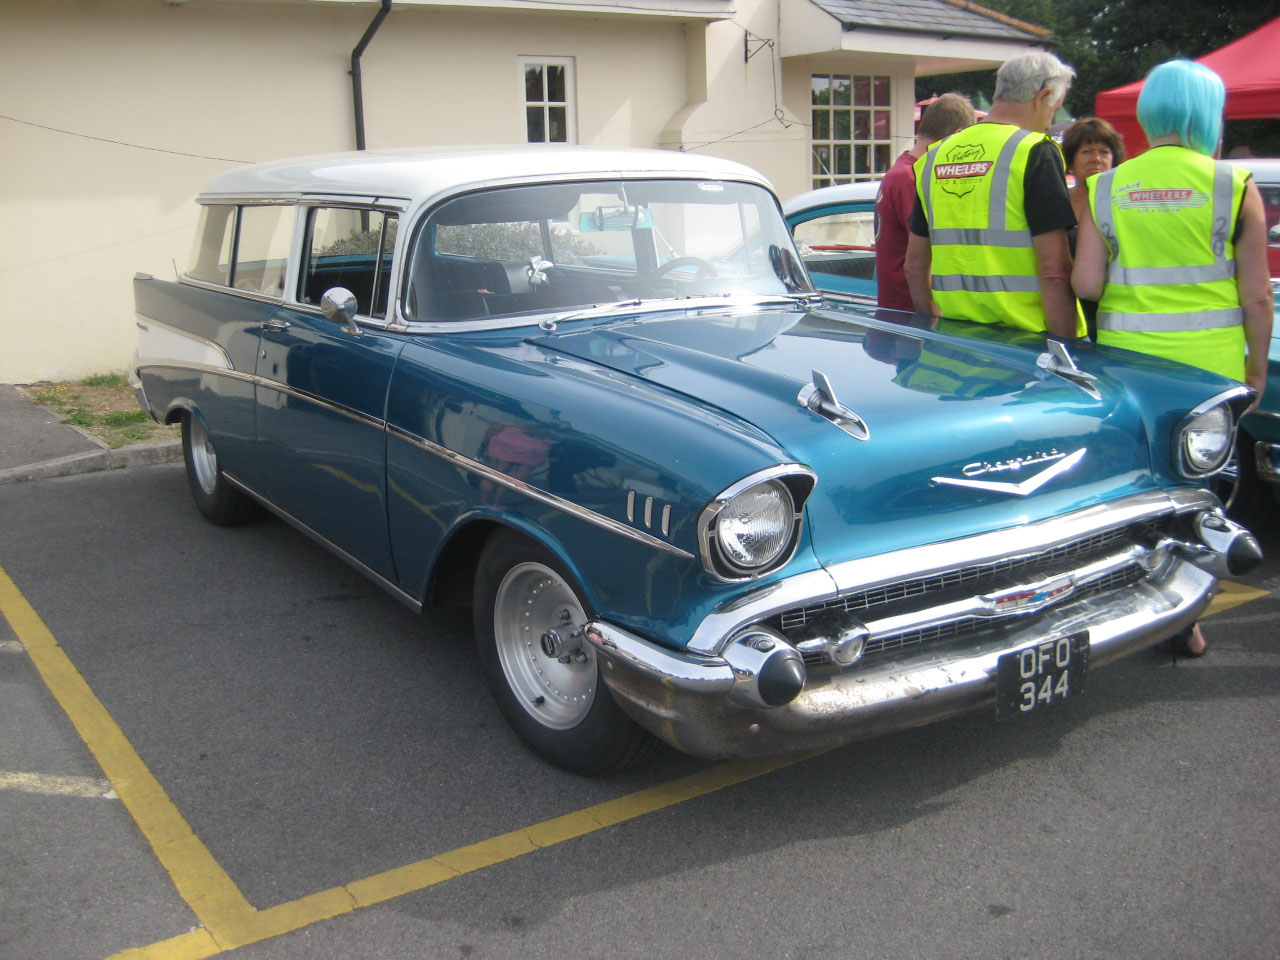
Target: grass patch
x=102, y=405
x=105, y=380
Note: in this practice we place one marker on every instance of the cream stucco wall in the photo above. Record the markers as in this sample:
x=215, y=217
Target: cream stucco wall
x=154, y=99
x=117, y=111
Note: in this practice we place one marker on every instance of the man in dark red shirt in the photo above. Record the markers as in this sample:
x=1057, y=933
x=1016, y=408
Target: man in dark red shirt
x=947, y=114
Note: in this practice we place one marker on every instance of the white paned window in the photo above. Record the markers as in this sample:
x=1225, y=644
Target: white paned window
x=549, y=113
x=850, y=128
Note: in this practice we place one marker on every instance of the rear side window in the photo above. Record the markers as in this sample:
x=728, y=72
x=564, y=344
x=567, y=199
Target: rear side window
x=351, y=248
x=841, y=243
x=262, y=249
x=211, y=255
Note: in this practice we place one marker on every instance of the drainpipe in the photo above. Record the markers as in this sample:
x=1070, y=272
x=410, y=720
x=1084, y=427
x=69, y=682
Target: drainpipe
x=357, y=91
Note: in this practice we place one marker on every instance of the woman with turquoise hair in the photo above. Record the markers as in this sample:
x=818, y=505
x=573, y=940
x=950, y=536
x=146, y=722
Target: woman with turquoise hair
x=1173, y=243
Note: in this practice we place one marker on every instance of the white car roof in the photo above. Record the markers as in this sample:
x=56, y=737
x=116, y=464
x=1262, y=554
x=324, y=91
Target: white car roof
x=840, y=193
x=1264, y=171
x=421, y=173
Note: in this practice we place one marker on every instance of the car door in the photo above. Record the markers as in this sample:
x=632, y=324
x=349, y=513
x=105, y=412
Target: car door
x=322, y=387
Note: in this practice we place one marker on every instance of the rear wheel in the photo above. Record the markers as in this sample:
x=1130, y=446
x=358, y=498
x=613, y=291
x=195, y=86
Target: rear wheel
x=543, y=673
x=214, y=496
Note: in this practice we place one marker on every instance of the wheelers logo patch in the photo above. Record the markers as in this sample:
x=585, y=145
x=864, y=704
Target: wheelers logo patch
x=961, y=169
x=1136, y=197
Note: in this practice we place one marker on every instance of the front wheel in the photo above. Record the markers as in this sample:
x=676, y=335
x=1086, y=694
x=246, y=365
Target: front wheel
x=220, y=502
x=543, y=673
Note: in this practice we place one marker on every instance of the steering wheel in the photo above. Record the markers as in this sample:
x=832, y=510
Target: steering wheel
x=705, y=270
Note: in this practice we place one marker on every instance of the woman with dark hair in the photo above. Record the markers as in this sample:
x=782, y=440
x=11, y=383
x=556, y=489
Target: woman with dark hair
x=1173, y=244
x=1089, y=146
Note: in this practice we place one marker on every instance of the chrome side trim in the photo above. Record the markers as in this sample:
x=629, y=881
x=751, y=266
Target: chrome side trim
x=379, y=579
x=855, y=576
x=232, y=291
x=533, y=493
x=351, y=413
x=227, y=372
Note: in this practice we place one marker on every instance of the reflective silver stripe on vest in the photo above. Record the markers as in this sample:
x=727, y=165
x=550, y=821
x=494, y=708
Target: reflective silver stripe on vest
x=998, y=284
x=998, y=215
x=1161, y=276
x=997, y=233
x=927, y=180
x=1104, y=217
x=1220, y=269
x=986, y=238
x=1171, y=322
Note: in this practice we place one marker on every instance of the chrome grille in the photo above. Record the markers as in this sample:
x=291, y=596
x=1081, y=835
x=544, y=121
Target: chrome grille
x=934, y=590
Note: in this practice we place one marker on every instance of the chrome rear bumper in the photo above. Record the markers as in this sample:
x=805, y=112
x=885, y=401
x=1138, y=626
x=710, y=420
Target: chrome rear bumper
x=696, y=702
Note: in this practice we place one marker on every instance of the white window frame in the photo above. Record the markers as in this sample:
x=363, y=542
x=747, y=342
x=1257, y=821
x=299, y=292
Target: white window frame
x=570, y=93
x=873, y=146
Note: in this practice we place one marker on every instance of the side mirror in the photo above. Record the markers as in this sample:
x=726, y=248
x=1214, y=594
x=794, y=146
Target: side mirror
x=339, y=305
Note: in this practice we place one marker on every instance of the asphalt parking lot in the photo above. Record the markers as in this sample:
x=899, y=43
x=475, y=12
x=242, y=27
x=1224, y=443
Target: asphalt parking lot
x=301, y=768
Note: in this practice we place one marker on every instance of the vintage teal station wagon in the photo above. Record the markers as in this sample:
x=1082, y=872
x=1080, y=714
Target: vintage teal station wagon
x=592, y=394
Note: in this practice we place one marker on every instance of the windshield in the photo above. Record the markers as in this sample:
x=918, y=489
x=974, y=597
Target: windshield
x=570, y=246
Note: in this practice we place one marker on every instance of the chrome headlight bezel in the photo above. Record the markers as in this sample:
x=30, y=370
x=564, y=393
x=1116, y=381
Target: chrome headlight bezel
x=791, y=483
x=1188, y=435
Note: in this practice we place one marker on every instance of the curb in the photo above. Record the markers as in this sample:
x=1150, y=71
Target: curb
x=134, y=455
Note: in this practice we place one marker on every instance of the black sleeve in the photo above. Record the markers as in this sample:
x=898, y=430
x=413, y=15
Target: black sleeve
x=919, y=222
x=1047, y=202
x=1235, y=237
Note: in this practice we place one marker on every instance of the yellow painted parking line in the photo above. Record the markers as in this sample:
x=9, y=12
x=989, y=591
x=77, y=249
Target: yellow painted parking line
x=1232, y=594
x=54, y=786
x=228, y=920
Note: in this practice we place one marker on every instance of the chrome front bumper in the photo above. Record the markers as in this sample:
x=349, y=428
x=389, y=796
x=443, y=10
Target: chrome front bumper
x=693, y=700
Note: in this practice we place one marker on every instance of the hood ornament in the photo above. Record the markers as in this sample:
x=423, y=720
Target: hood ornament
x=1058, y=360
x=820, y=397
x=1059, y=462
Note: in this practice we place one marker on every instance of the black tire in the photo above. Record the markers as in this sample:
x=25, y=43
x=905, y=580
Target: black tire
x=220, y=502
x=563, y=710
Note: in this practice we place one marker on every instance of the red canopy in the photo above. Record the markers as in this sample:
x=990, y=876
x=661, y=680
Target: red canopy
x=1250, y=68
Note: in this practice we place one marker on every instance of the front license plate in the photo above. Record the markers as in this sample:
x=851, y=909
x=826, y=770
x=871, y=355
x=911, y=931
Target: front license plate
x=1041, y=676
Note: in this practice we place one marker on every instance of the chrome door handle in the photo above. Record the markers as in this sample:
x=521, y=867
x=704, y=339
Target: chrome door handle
x=274, y=324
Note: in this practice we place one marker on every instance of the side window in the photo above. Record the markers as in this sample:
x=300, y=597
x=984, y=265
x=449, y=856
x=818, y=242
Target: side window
x=839, y=243
x=549, y=99
x=211, y=255
x=262, y=249
x=349, y=247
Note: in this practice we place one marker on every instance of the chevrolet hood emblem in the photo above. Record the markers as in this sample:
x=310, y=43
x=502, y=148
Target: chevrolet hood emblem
x=1026, y=487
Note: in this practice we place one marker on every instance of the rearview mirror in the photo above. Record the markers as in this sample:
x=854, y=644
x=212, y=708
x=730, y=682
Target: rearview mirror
x=615, y=218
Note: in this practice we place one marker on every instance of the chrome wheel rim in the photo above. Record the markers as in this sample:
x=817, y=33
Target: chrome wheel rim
x=204, y=462
x=533, y=601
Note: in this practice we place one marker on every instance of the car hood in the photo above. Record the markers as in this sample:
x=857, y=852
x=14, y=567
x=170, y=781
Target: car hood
x=942, y=413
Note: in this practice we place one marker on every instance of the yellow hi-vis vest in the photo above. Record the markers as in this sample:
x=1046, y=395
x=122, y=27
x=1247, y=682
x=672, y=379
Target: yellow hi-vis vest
x=984, y=264
x=1167, y=218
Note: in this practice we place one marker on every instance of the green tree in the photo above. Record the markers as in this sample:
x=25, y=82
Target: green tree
x=1117, y=42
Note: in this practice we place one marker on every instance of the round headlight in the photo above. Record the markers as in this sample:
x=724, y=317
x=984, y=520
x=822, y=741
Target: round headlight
x=754, y=527
x=1206, y=440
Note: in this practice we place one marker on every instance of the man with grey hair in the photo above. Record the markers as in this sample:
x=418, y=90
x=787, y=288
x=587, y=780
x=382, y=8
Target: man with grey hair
x=989, y=229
